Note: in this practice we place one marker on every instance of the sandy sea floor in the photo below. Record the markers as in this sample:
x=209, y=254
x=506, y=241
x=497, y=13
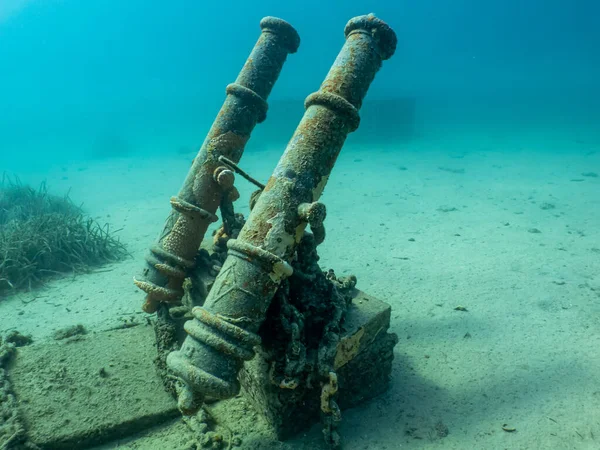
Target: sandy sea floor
x=506, y=226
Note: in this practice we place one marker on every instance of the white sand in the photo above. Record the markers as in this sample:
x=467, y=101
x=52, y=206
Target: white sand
x=533, y=299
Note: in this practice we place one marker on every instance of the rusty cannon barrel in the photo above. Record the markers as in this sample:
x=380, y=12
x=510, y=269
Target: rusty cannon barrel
x=223, y=332
x=208, y=180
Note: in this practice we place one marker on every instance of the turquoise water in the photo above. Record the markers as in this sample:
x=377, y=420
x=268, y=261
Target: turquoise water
x=473, y=180
x=146, y=77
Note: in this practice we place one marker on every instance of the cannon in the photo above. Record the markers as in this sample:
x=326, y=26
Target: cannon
x=208, y=180
x=223, y=332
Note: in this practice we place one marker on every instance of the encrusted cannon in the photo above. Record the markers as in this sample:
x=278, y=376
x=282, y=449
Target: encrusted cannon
x=224, y=331
x=209, y=181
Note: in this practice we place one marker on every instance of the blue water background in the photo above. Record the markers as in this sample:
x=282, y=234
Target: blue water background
x=96, y=79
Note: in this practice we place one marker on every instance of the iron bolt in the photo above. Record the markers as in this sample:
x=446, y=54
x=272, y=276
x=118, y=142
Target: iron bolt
x=224, y=177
